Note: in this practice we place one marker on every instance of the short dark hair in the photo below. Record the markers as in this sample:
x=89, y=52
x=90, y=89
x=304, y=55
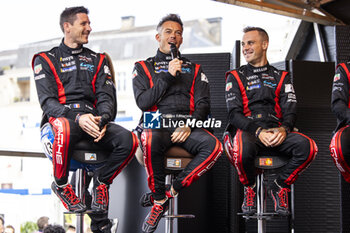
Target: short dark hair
x=54, y=229
x=170, y=17
x=261, y=31
x=2, y=220
x=70, y=14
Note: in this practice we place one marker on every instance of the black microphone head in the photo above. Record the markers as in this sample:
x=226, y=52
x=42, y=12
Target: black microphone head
x=172, y=46
x=173, y=50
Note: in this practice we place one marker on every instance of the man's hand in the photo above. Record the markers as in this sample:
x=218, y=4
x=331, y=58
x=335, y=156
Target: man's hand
x=265, y=136
x=279, y=135
x=103, y=132
x=89, y=123
x=174, y=66
x=180, y=134
x=272, y=137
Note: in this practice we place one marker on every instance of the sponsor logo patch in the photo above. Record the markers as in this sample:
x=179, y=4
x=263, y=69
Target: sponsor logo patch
x=288, y=88
x=253, y=87
x=228, y=86
x=336, y=77
x=40, y=76
x=37, y=69
x=107, y=71
x=68, y=69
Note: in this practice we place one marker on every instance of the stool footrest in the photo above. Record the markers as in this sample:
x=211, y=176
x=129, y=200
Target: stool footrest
x=262, y=215
x=180, y=216
x=85, y=212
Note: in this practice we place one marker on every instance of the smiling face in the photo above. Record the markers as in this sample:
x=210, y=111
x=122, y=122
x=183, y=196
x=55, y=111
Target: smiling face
x=77, y=33
x=1, y=226
x=170, y=32
x=254, y=48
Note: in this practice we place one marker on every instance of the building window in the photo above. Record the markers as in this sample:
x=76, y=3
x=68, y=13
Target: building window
x=24, y=89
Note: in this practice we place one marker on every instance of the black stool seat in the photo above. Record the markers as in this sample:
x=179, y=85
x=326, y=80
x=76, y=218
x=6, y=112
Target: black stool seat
x=87, y=152
x=176, y=159
x=270, y=161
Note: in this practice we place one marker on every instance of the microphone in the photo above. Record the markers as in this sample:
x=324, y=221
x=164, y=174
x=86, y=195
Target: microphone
x=173, y=51
x=174, y=54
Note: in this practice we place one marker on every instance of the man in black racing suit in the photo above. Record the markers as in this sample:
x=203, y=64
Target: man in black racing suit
x=158, y=87
x=340, y=144
x=78, y=98
x=261, y=103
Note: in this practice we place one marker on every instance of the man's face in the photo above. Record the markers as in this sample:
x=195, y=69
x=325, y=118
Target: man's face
x=253, y=47
x=80, y=30
x=8, y=230
x=170, y=32
x=1, y=227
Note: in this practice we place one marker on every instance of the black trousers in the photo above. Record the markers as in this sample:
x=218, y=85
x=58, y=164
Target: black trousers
x=205, y=147
x=120, y=142
x=340, y=151
x=301, y=149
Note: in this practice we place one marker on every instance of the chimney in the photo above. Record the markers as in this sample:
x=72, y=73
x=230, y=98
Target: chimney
x=128, y=22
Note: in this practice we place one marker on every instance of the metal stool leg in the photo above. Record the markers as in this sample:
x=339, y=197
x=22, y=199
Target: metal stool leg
x=79, y=189
x=261, y=204
x=169, y=222
x=292, y=216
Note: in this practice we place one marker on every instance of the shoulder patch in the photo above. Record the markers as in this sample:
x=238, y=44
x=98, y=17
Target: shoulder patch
x=38, y=68
x=228, y=86
x=204, y=78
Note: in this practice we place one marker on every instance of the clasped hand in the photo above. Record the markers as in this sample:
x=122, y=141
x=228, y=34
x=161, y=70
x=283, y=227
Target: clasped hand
x=180, y=134
x=272, y=137
x=90, y=124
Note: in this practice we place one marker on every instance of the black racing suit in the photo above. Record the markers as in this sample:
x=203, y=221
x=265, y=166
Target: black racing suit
x=72, y=82
x=340, y=146
x=185, y=96
x=264, y=97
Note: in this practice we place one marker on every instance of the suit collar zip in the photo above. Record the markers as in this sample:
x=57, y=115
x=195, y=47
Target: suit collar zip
x=70, y=51
x=163, y=56
x=258, y=69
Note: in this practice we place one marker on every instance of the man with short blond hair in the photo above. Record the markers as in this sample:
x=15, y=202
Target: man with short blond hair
x=261, y=103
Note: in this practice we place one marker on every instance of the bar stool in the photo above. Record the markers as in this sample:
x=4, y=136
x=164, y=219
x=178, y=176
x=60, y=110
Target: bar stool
x=268, y=163
x=86, y=158
x=176, y=159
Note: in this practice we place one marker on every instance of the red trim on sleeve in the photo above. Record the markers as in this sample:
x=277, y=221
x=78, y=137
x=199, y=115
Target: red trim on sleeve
x=143, y=64
x=246, y=110
x=277, y=96
x=61, y=93
x=93, y=83
x=192, y=89
x=98, y=69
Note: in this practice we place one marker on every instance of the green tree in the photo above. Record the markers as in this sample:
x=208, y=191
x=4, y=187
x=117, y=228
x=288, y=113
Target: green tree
x=29, y=227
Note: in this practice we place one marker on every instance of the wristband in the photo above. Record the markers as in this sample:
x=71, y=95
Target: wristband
x=77, y=119
x=258, y=131
x=286, y=129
